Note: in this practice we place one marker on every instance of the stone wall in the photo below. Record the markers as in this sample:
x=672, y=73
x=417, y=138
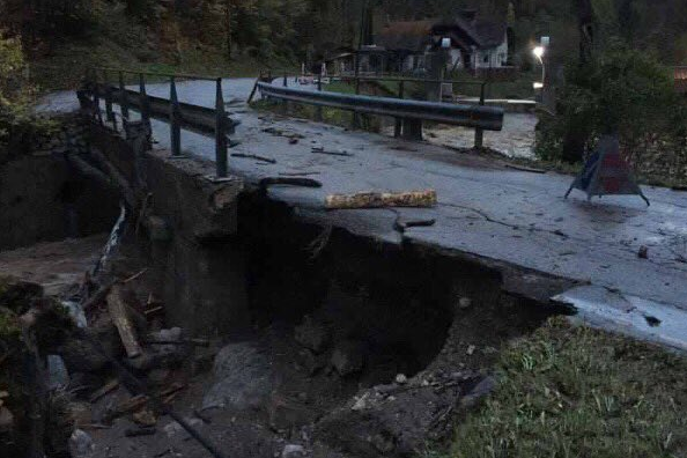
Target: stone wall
x=42, y=199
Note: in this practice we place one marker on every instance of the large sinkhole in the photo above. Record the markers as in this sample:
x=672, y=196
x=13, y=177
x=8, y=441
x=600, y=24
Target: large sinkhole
x=362, y=311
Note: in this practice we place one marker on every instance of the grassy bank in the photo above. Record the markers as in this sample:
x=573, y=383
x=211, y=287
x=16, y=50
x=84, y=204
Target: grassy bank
x=576, y=392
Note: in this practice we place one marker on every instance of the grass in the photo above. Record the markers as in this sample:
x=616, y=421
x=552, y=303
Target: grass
x=571, y=391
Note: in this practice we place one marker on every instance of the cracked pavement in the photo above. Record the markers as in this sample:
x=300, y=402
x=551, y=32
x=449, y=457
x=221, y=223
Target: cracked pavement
x=500, y=216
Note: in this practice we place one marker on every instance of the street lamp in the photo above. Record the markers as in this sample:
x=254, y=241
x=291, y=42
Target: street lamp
x=539, y=52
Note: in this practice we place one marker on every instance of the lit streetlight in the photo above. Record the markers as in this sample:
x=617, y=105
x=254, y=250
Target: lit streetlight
x=539, y=52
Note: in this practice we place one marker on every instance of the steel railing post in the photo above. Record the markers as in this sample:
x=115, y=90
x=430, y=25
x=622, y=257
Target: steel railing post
x=144, y=101
x=479, y=133
x=96, y=97
x=399, y=121
x=220, y=133
x=318, y=109
x=174, y=119
x=124, y=100
x=108, y=100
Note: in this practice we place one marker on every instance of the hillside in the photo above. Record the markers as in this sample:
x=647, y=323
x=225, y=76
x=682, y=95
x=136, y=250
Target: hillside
x=238, y=36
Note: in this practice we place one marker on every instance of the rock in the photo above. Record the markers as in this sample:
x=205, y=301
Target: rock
x=643, y=252
x=158, y=229
x=243, y=378
x=360, y=403
x=6, y=419
x=79, y=414
x=76, y=312
x=348, y=358
x=145, y=417
x=58, y=377
x=483, y=388
x=285, y=413
x=79, y=356
x=312, y=335
x=81, y=445
x=464, y=303
x=401, y=379
x=292, y=451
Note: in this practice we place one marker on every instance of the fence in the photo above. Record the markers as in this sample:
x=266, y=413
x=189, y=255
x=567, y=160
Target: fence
x=409, y=114
x=180, y=115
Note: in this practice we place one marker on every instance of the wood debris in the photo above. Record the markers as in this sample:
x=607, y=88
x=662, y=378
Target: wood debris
x=426, y=198
x=122, y=321
x=145, y=417
x=104, y=390
x=254, y=156
x=321, y=150
x=401, y=226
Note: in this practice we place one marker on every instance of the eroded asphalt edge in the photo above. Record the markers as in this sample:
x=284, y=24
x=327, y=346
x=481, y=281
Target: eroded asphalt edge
x=600, y=276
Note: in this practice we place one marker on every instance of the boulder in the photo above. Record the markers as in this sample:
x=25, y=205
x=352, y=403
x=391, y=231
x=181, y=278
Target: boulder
x=81, y=445
x=293, y=451
x=58, y=377
x=243, y=378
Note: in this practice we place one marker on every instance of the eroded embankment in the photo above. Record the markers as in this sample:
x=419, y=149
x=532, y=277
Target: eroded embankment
x=319, y=342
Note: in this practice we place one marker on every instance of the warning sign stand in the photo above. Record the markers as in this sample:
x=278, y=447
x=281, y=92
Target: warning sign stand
x=607, y=173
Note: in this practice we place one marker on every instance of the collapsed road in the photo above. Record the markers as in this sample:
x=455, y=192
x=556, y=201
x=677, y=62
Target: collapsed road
x=515, y=221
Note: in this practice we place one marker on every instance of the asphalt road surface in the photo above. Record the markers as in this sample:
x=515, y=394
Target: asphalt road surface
x=486, y=211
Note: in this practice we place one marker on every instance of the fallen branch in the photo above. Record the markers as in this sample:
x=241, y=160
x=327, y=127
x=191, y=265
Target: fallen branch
x=99, y=296
x=120, y=317
x=254, y=156
x=304, y=182
x=135, y=276
x=316, y=150
x=104, y=390
x=401, y=226
x=380, y=200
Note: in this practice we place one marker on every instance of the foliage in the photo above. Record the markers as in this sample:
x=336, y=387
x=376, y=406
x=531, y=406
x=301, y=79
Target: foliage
x=573, y=391
x=15, y=92
x=621, y=90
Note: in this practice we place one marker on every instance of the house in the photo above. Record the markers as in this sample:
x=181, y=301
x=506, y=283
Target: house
x=475, y=42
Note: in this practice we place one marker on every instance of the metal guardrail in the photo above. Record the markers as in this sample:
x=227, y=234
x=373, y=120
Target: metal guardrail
x=475, y=116
x=180, y=115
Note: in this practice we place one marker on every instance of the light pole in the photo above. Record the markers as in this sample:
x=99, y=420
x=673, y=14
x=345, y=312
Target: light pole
x=539, y=52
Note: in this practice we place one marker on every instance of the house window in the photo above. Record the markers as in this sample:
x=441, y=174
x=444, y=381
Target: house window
x=486, y=59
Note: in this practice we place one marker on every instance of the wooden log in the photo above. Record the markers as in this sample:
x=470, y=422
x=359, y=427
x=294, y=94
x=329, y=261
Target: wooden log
x=426, y=198
x=104, y=390
x=120, y=317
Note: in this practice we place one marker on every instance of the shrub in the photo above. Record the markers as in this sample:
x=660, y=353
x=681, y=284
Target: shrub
x=17, y=122
x=621, y=91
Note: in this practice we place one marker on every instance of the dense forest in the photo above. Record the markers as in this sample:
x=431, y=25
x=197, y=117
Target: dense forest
x=174, y=31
